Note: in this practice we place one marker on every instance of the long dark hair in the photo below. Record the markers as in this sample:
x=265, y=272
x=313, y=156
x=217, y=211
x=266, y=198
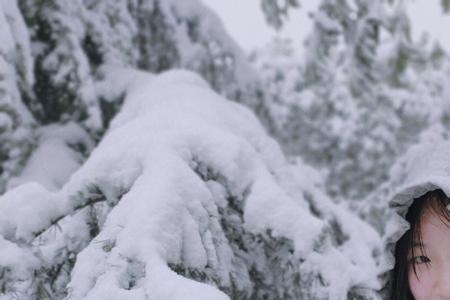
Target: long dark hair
x=437, y=202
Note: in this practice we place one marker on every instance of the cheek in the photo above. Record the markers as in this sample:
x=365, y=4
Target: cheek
x=420, y=287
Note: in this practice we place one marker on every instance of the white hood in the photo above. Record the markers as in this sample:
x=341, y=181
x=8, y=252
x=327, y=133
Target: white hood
x=422, y=169
x=425, y=168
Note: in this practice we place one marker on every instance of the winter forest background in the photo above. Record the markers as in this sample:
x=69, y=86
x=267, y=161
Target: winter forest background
x=144, y=155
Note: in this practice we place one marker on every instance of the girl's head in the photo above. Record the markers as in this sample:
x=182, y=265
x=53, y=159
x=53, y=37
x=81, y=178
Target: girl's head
x=422, y=255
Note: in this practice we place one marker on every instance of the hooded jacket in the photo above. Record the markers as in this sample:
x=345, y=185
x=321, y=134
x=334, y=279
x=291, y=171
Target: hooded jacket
x=422, y=169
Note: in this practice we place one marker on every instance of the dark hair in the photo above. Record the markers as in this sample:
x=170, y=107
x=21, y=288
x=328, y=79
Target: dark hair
x=436, y=201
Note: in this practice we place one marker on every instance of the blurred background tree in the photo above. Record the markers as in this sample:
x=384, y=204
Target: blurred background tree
x=361, y=93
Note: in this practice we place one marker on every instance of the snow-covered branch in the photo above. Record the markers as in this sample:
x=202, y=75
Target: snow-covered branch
x=186, y=197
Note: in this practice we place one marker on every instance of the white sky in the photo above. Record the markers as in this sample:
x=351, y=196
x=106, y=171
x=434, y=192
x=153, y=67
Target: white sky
x=245, y=22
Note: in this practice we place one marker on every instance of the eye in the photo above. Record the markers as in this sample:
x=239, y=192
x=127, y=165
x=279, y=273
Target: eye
x=420, y=259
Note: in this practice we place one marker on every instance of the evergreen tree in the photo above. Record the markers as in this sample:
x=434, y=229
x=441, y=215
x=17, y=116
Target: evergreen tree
x=56, y=51
x=277, y=11
x=15, y=79
x=186, y=190
x=354, y=106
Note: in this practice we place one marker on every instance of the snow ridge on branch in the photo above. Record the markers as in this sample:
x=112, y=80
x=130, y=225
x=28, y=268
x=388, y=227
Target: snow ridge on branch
x=185, y=190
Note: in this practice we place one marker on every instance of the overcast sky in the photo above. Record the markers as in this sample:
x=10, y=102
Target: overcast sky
x=245, y=22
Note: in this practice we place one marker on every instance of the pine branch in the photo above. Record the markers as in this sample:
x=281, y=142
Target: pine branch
x=96, y=198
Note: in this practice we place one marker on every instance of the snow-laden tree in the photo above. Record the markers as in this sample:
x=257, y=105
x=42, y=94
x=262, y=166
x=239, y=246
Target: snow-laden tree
x=15, y=78
x=276, y=12
x=185, y=197
x=73, y=38
x=52, y=53
x=353, y=118
x=360, y=95
x=280, y=69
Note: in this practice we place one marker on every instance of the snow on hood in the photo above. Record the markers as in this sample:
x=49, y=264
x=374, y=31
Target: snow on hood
x=423, y=168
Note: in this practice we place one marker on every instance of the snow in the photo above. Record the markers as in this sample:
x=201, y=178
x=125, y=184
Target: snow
x=17, y=263
x=54, y=141
x=24, y=210
x=14, y=53
x=212, y=27
x=168, y=164
x=152, y=202
x=342, y=266
x=5, y=122
x=6, y=36
x=326, y=23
